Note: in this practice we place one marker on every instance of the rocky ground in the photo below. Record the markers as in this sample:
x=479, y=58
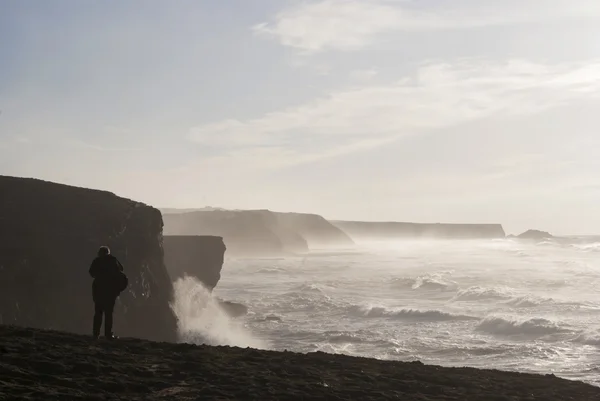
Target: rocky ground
x=47, y=365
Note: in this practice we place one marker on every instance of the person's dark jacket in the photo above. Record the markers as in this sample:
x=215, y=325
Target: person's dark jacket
x=105, y=270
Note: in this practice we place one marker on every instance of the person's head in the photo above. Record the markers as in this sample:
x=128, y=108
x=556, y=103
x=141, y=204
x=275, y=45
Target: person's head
x=103, y=251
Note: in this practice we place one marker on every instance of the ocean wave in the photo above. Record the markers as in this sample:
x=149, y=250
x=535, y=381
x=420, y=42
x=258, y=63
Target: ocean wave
x=337, y=337
x=272, y=318
x=202, y=320
x=408, y=314
x=509, y=327
x=529, y=301
x=496, y=294
x=588, y=338
x=312, y=287
x=431, y=282
x=480, y=293
x=315, y=288
x=271, y=270
x=589, y=247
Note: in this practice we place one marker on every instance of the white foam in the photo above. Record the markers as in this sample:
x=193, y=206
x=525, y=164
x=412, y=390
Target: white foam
x=428, y=299
x=591, y=247
x=480, y=293
x=589, y=338
x=508, y=326
x=409, y=314
x=529, y=301
x=431, y=281
x=201, y=320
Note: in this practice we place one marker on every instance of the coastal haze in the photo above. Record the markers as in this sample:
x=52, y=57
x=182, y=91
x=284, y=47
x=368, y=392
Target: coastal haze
x=501, y=304
x=399, y=180
x=452, y=295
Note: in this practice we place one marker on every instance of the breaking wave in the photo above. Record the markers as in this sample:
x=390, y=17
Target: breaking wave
x=589, y=338
x=408, y=314
x=431, y=282
x=480, y=293
x=509, y=327
x=201, y=320
x=593, y=247
x=529, y=301
x=504, y=295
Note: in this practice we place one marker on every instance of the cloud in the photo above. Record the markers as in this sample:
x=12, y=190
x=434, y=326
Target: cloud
x=436, y=96
x=363, y=75
x=349, y=25
x=344, y=25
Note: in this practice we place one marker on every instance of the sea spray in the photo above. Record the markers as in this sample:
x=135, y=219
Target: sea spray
x=457, y=303
x=201, y=320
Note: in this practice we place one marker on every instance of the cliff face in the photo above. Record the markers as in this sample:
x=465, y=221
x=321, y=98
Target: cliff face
x=244, y=232
x=49, y=235
x=383, y=230
x=198, y=256
x=317, y=231
x=259, y=232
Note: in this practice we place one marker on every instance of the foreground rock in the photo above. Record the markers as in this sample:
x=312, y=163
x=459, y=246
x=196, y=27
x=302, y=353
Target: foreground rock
x=535, y=234
x=361, y=230
x=193, y=255
x=42, y=365
x=49, y=234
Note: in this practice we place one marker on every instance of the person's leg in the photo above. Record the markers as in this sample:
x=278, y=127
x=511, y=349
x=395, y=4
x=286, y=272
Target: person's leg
x=108, y=316
x=97, y=318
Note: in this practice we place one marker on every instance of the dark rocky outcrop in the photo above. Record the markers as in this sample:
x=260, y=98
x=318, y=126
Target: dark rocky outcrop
x=233, y=309
x=193, y=255
x=49, y=234
x=386, y=230
x=535, y=234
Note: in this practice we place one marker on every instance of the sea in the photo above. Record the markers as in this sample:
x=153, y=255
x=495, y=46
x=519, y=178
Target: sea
x=509, y=304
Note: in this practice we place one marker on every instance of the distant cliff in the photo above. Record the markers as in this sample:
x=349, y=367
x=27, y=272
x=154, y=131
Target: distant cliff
x=383, y=230
x=244, y=232
x=198, y=256
x=535, y=234
x=318, y=232
x=49, y=234
x=258, y=232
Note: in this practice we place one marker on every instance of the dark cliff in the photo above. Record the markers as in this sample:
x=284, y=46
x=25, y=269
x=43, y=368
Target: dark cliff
x=244, y=232
x=49, y=234
x=384, y=230
x=193, y=255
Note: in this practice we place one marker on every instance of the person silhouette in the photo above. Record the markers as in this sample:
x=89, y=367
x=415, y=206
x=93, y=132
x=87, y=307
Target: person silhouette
x=107, y=272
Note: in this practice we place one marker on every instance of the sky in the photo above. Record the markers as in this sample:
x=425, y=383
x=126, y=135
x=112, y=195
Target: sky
x=463, y=111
